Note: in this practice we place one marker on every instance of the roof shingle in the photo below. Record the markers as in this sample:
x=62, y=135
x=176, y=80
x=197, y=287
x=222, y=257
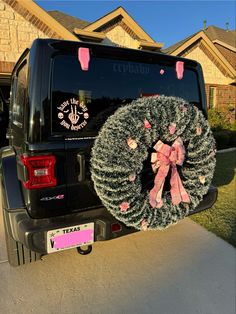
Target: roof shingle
x=213, y=33
x=69, y=22
x=172, y=48
x=216, y=33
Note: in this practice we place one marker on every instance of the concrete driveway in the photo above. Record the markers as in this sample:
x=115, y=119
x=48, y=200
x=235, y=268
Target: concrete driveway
x=182, y=270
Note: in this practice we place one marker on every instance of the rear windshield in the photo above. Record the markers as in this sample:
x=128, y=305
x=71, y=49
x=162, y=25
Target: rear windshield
x=81, y=101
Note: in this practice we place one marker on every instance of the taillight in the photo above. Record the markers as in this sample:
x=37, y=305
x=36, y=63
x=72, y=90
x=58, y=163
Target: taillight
x=40, y=171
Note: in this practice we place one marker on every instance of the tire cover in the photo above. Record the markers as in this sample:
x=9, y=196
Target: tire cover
x=117, y=165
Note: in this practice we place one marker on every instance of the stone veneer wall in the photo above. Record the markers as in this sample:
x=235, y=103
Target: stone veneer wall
x=212, y=74
x=119, y=36
x=17, y=33
x=117, y=22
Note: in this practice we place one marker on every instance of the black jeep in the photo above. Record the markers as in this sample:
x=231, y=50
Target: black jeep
x=4, y=112
x=59, y=101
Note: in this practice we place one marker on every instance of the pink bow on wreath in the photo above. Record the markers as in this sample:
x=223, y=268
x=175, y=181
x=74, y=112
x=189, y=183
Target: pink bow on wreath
x=165, y=157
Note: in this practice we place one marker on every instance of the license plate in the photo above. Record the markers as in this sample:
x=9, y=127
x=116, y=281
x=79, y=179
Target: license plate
x=70, y=237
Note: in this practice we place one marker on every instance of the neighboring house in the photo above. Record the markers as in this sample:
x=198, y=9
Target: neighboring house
x=115, y=28
x=22, y=21
x=215, y=49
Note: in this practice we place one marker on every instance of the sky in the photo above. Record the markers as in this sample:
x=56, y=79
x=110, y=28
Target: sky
x=165, y=21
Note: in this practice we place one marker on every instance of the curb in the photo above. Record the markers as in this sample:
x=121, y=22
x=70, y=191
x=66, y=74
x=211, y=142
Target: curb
x=227, y=150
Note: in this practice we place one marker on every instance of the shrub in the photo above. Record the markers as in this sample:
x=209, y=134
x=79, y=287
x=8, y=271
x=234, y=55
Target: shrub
x=233, y=126
x=224, y=130
x=218, y=120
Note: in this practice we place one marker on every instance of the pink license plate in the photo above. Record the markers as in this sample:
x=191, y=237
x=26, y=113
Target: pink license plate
x=66, y=238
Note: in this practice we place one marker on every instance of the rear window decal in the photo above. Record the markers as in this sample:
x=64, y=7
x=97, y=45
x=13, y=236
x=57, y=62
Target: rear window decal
x=72, y=114
x=129, y=68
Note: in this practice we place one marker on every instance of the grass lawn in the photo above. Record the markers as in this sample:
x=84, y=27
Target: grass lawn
x=221, y=218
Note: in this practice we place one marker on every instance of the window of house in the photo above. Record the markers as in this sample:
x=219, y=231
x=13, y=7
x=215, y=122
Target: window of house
x=19, y=87
x=212, y=97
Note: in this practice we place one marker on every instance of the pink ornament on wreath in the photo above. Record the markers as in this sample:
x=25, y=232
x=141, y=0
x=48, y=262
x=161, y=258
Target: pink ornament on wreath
x=147, y=125
x=124, y=206
x=198, y=130
x=144, y=225
x=202, y=179
x=162, y=71
x=132, y=143
x=132, y=177
x=172, y=128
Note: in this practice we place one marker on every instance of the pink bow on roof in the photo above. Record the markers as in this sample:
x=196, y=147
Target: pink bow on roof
x=165, y=157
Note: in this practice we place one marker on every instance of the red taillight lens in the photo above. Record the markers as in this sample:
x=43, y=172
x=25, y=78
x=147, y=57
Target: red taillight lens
x=116, y=227
x=40, y=171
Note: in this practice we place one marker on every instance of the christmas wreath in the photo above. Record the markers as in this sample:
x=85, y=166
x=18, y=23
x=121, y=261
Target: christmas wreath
x=153, y=161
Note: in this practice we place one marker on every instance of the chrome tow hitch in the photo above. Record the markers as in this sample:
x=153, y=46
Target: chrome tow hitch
x=85, y=251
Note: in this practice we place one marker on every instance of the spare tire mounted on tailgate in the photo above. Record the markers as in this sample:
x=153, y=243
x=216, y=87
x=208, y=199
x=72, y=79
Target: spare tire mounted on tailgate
x=153, y=161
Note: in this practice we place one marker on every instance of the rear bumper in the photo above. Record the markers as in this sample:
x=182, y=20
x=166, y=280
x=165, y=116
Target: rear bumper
x=32, y=232
x=208, y=200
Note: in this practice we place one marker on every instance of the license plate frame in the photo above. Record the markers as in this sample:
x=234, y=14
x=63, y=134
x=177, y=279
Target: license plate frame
x=69, y=237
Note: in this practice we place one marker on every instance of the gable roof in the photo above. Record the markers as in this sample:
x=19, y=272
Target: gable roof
x=215, y=34
x=120, y=12
x=33, y=13
x=96, y=31
x=69, y=22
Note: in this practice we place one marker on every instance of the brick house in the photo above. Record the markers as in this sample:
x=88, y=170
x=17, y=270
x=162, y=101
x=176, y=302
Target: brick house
x=116, y=28
x=215, y=49
x=22, y=21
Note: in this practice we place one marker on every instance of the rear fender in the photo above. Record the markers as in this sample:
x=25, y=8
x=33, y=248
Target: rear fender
x=12, y=197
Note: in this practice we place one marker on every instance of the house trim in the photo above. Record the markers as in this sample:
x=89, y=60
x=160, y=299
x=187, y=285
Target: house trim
x=99, y=36
x=145, y=44
x=221, y=43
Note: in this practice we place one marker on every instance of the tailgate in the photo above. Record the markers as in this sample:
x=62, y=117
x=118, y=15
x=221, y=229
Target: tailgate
x=80, y=191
